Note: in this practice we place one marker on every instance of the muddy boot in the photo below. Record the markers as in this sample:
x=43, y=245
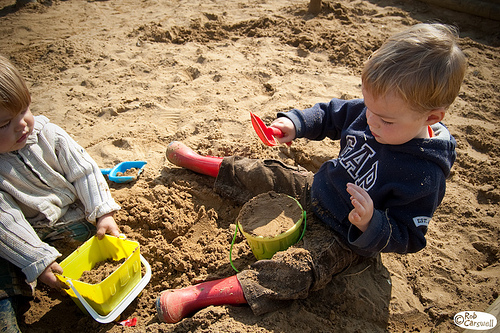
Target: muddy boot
x=174, y=304
x=183, y=156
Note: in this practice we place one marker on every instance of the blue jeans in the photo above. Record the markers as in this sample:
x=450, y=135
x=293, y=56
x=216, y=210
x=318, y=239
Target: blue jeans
x=8, y=320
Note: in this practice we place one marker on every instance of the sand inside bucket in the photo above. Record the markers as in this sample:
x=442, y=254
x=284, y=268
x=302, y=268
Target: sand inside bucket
x=101, y=271
x=269, y=214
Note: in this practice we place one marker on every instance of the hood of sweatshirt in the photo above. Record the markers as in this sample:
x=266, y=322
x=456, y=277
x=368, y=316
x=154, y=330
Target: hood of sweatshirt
x=440, y=149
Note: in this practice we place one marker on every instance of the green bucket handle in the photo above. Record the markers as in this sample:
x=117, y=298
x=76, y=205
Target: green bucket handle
x=236, y=233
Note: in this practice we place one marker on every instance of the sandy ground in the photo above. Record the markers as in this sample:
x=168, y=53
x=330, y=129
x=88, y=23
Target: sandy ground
x=126, y=77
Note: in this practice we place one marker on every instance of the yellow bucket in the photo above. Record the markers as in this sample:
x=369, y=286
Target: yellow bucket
x=265, y=247
x=105, y=301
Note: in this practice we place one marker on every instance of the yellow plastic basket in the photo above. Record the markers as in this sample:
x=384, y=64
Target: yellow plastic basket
x=105, y=301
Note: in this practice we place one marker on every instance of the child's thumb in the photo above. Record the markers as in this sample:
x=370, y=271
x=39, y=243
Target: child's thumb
x=100, y=233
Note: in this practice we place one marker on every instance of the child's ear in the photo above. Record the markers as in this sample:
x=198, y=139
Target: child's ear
x=435, y=116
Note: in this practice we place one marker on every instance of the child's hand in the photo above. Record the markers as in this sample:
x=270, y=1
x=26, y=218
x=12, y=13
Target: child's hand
x=106, y=225
x=287, y=127
x=48, y=277
x=362, y=213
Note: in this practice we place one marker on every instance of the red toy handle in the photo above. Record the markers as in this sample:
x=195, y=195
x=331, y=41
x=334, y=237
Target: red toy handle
x=278, y=133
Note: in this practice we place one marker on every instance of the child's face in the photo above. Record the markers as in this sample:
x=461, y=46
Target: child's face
x=392, y=121
x=15, y=129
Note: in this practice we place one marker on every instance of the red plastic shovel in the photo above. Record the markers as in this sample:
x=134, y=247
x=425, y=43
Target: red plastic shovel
x=266, y=134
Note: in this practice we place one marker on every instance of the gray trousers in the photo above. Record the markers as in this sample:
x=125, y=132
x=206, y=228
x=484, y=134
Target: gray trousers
x=308, y=265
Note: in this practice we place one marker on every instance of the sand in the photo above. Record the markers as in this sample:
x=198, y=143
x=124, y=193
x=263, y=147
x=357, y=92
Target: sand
x=269, y=214
x=101, y=271
x=126, y=77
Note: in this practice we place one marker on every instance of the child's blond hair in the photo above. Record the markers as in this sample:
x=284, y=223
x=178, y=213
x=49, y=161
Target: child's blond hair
x=423, y=65
x=14, y=94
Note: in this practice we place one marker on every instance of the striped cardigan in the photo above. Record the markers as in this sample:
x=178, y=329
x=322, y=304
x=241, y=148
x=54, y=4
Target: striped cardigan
x=38, y=183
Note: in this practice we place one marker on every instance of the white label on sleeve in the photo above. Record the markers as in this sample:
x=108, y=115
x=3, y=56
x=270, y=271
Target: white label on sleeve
x=421, y=221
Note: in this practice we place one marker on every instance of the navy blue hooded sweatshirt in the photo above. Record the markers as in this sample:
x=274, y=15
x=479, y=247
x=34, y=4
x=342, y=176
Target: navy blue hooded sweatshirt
x=406, y=182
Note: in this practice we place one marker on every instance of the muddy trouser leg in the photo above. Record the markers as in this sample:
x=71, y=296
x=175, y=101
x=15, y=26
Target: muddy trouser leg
x=307, y=266
x=242, y=178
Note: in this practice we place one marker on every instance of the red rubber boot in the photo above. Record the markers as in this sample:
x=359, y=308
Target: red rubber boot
x=174, y=304
x=183, y=156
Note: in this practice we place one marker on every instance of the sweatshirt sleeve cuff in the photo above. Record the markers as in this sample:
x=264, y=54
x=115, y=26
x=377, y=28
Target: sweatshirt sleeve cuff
x=103, y=209
x=296, y=120
x=374, y=238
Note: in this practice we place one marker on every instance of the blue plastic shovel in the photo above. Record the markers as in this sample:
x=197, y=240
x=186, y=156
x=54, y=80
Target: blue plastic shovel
x=122, y=168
